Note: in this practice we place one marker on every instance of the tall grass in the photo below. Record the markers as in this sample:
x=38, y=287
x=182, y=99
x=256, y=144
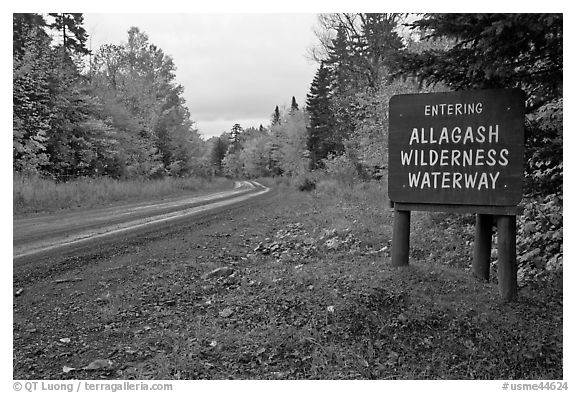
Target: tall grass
x=373, y=192
x=33, y=194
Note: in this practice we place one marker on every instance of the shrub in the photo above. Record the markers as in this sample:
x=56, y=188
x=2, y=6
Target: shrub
x=341, y=168
x=304, y=183
x=544, y=150
x=540, y=236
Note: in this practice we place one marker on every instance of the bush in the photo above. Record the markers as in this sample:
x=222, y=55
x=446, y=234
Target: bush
x=341, y=168
x=540, y=236
x=544, y=150
x=304, y=183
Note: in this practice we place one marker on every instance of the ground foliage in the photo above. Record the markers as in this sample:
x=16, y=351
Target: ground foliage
x=304, y=290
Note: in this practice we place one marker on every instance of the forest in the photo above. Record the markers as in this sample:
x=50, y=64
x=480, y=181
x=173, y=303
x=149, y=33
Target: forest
x=117, y=113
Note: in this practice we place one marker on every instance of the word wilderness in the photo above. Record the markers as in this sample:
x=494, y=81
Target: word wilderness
x=456, y=148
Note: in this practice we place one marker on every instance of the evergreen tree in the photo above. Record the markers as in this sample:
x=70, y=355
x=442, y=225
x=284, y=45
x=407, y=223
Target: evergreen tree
x=321, y=140
x=340, y=63
x=492, y=51
x=294, y=105
x=378, y=47
x=358, y=48
x=235, y=138
x=344, y=82
x=72, y=32
x=275, y=116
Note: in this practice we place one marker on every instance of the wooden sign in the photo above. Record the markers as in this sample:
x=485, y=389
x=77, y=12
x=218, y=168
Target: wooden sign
x=462, y=148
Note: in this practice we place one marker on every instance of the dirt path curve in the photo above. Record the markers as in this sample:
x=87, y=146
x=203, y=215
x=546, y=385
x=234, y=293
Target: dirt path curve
x=40, y=234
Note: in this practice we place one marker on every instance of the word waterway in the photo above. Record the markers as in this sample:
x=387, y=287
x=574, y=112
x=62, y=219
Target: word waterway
x=456, y=180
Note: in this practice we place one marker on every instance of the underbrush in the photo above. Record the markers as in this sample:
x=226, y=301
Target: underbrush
x=448, y=238
x=302, y=182
x=33, y=194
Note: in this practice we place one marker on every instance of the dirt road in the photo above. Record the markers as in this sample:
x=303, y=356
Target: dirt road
x=37, y=236
x=58, y=287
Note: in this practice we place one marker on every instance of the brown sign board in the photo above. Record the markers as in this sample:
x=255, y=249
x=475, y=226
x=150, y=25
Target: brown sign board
x=462, y=148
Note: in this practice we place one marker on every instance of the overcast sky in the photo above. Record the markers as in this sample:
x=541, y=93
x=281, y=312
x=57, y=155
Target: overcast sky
x=235, y=68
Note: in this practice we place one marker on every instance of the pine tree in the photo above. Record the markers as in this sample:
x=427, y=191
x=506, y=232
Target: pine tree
x=321, y=137
x=378, y=47
x=340, y=62
x=73, y=34
x=364, y=47
x=276, y=116
x=294, y=105
x=492, y=51
x=235, y=138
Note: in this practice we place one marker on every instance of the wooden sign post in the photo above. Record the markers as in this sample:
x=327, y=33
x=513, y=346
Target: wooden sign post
x=460, y=152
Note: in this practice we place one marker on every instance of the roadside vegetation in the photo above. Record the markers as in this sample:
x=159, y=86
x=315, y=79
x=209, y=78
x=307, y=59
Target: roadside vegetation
x=37, y=195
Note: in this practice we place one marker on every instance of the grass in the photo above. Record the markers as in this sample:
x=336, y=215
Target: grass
x=33, y=194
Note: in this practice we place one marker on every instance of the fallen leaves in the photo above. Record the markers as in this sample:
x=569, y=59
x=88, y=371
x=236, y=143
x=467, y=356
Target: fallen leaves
x=63, y=280
x=98, y=364
x=227, y=312
x=224, y=271
x=296, y=244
